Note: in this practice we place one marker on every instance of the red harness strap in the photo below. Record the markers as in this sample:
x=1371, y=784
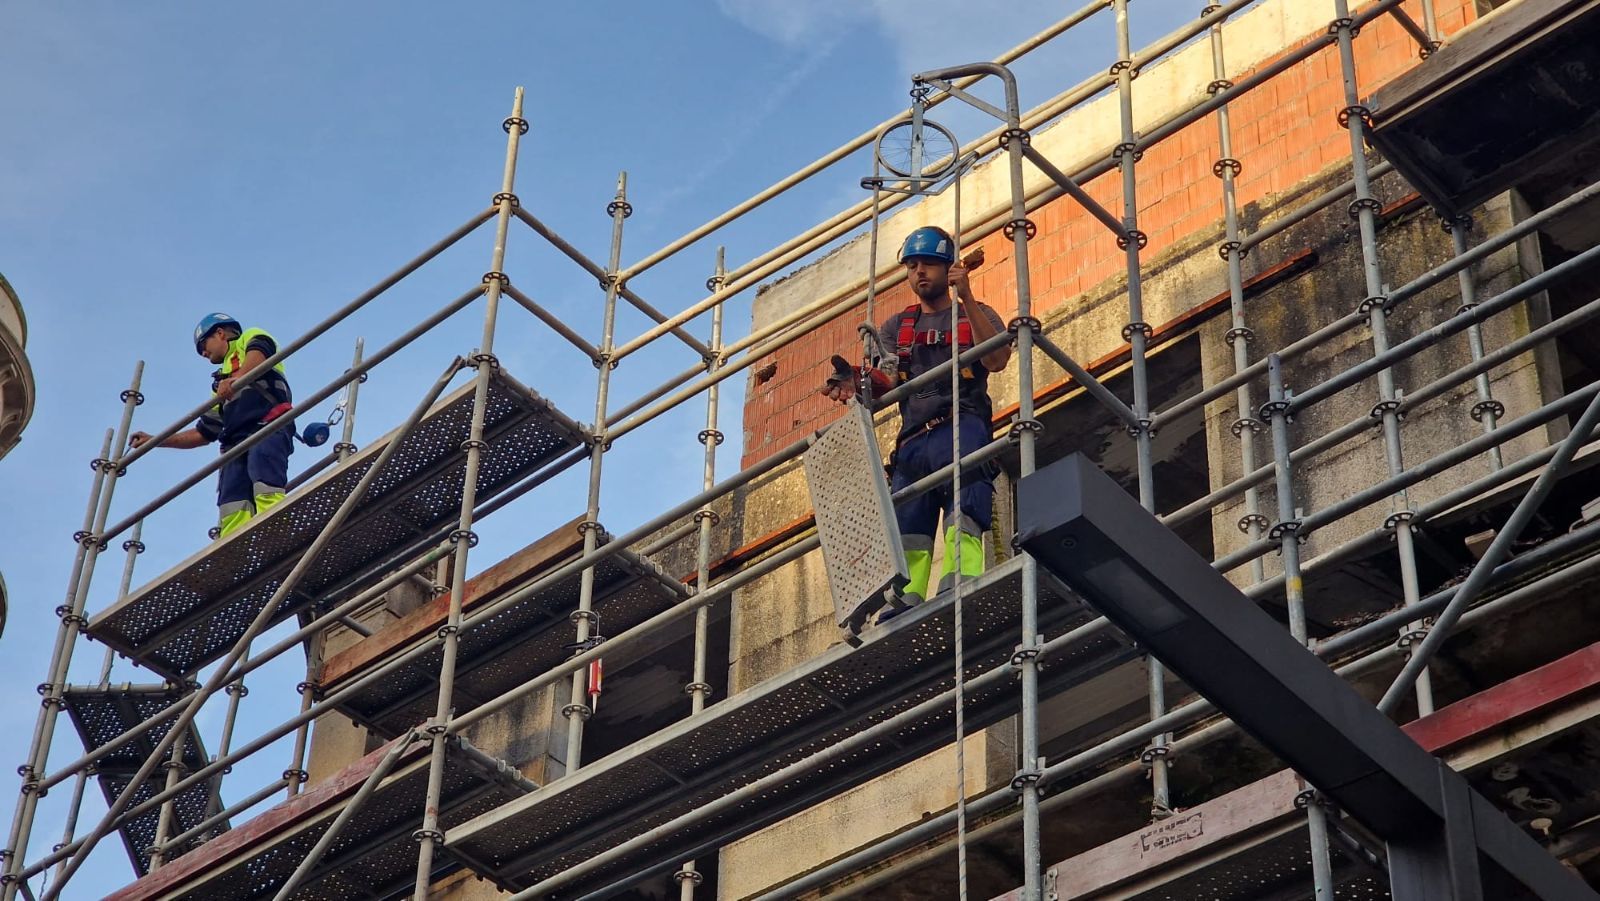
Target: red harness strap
x=909, y=337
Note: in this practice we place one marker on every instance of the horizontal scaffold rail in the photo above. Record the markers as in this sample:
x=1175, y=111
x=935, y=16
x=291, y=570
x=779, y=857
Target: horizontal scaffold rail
x=498, y=654
x=780, y=722
x=195, y=612
x=373, y=855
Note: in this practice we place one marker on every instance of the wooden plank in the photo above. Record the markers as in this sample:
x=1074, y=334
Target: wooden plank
x=1493, y=709
x=492, y=583
x=263, y=829
x=1197, y=830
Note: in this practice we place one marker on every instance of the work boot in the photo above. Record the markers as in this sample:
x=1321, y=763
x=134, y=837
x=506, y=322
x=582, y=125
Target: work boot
x=919, y=566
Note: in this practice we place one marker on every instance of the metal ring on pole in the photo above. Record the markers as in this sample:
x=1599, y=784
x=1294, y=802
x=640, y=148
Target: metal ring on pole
x=137, y=396
x=1484, y=408
x=1368, y=303
x=1227, y=164
x=1023, y=654
x=136, y=547
x=1025, y=778
x=1221, y=84
x=714, y=283
x=1150, y=755
x=296, y=777
x=1392, y=521
x=1287, y=527
x=619, y=206
x=1276, y=407
x=1364, y=203
x=1120, y=65
x=479, y=358
x=236, y=688
x=427, y=835
x=581, y=711
x=506, y=195
x=1015, y=134
x=459, y=535
x=589, y=524
x=1027, y=226
x=1142, y=427
x=683, y=876
x=1344, y=22
x=703, y=688
x=309, y=686
x=1031, y=322
x=474, y=444
x=1234, y=334
x=447, y=630
x=501, y=277
x=708, y=514
x=522, y=128
x=83, y=537
x=1143, y=328
x=1355, y=111
x=1385, y=407
x=1246, y=422
x=344, y=447
x=1126, y=147
x=712, y=435
x=1451, y=223
x=1138, y=238
x=102, y=464
x=1226, y=249
x=586, y=615
x=1251, y=521
x=1413, y=636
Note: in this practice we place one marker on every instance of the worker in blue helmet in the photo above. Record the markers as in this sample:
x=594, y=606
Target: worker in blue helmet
x=252, y=483
x=921, y=338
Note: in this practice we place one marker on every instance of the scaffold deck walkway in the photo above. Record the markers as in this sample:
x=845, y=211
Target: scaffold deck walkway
x=374, y=854
x=102, y=713
x=193, y=613
x=776, y=723
x=499, y=654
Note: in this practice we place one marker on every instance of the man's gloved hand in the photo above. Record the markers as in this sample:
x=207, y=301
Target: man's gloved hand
x=845, y=381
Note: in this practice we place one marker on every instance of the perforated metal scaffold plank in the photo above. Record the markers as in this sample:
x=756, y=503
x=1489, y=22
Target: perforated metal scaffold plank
x=771, y=725
x=855, y=517
x=193, y=613
x=373, y=856
x=501, y=653
x=103, y=713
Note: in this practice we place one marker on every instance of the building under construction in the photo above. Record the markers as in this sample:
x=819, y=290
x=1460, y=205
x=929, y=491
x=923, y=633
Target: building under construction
x=1315, y=283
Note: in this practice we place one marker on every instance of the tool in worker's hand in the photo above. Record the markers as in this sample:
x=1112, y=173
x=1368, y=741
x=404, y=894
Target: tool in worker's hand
x=973, y=260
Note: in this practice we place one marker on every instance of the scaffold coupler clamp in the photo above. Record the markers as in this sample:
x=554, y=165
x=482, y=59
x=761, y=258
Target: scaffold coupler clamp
x=1024, y=653
x=1149, y=756
x=1028, y=775
x=1284, y=408
x=1413, y=635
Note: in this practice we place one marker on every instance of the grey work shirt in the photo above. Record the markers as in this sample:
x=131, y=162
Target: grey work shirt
x=932, y=402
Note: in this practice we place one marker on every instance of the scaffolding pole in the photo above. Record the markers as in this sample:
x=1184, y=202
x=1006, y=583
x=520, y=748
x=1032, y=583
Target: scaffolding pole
x=430, y=836
x=91, y=541
x=584, y=619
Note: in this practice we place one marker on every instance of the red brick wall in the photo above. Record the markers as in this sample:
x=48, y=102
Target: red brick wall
x=1284, y=132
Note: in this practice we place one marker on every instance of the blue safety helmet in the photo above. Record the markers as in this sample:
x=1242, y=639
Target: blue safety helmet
x=211, y=323
x=929, y=242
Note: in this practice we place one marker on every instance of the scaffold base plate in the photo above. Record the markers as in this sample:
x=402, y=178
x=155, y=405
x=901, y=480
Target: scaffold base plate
x=194, y=613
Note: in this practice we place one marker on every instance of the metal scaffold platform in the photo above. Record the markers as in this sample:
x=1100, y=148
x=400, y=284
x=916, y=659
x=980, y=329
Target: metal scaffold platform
x=767, y=727
x=374, y=853
x=102, y=713
x=496, y=656
x=193, y=613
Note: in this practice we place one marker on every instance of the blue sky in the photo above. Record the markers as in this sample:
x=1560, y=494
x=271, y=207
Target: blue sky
x=160, y=161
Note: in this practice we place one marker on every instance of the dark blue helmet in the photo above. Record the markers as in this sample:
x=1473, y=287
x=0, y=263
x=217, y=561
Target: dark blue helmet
x=211, y=323
x=930, y=243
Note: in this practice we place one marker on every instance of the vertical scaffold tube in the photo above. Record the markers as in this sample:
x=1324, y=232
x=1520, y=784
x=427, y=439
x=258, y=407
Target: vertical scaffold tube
x=346, y=445
x=1487, y=410
x=1137, y=333
x=174, y=765
x=577, y=710
x=688, y=877
x=131, y=549
x=429, y=837
x=1227, y=168
x=72, y=621
x=1287, y=531
x=1356, y=118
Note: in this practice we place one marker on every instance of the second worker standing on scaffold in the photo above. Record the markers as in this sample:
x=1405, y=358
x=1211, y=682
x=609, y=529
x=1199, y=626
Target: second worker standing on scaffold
x=921, y=339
